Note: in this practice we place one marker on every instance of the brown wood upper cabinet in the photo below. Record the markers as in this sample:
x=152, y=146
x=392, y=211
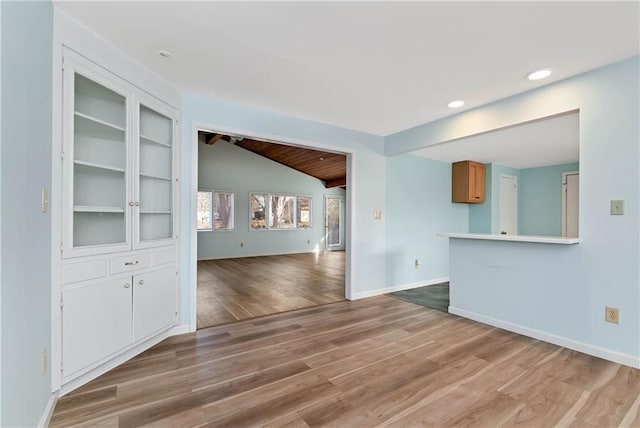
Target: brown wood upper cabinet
x=467, y=182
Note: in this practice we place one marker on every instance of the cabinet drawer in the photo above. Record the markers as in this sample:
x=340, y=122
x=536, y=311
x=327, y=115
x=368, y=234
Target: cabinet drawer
x=130, y=263
x=83, y=271
x=164, y=257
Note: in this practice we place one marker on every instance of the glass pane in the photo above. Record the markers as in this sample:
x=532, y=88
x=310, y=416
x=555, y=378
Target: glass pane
x=258, y=210
x=155, y=181
x=333, y=221
x=204, y=210
x=222, y=211
x=282, y=211
x=99, y=164
x=303, y=212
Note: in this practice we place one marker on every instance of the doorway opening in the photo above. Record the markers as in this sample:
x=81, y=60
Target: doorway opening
x=508, y=214
x=570, y=202
x=271, y=227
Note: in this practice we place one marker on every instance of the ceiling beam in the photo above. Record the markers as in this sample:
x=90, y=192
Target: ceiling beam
x=336, y=182
x=211, y=141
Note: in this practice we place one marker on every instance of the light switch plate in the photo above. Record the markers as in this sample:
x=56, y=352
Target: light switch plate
x=45, y=201
x=617, y=207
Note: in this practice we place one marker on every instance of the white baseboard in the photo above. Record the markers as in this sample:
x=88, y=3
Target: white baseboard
x=400, y=287
x=48, y=411
x=596, y=351
x=179, y=329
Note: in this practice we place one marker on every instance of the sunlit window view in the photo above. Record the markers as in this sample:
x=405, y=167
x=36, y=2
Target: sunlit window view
x=215, y=211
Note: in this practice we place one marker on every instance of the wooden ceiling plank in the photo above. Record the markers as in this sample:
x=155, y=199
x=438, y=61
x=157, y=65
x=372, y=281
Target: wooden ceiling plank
x=214, y=139
x=336, y=182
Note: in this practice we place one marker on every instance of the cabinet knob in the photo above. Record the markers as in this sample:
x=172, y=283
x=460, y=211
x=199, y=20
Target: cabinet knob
x=137, y=204
x=141, y=282
x=131, y=203
x=126, y=285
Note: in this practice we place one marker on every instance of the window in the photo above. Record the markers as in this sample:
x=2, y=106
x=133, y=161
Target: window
x=223, y=211
x=282, y=212
x=215, y=211
x=204, y=211
x=303, y=212
x=258, y=208
x=279, y=212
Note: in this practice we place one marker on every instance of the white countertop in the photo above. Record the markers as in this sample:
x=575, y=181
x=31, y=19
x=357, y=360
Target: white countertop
x=514, y=238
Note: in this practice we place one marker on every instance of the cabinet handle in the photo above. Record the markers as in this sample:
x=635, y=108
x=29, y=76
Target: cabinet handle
x=141, y=282
x=137, y=204
x=131, y=203
x=126, y=285
x=131, y=263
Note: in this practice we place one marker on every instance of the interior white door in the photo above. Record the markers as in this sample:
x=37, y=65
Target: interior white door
x=570, y=205
x=508, y=218
x=334, y=223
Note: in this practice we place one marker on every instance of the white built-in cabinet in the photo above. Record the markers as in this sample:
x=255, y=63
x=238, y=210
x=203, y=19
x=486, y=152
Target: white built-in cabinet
x=119, y=198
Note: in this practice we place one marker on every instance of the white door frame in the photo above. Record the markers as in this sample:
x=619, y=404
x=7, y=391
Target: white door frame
x=274, y=138
x=515, y=181
x=564, y=200
x=341, y=232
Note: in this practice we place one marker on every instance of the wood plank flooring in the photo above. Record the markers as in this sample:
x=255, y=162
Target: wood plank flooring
x=373, y=362
x=243, y=288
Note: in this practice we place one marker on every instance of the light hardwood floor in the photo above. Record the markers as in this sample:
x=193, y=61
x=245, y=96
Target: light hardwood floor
x=372, y=362
x=243, y=288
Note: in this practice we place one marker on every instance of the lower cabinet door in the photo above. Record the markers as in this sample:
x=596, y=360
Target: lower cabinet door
x=96, y=322
x=154, y=302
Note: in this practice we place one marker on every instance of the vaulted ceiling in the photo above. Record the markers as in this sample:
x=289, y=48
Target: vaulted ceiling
x=331, y=168
x=378, y=67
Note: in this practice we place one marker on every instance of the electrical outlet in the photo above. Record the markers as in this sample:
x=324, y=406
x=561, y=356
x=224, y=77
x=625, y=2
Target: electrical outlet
x=417, y=264
x=45, y=363
x=612, y=315
x=241, y=244
x=377, y=214
x=308, y=241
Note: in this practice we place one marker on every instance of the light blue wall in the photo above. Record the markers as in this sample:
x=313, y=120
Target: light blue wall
x=540, y=200
x=480, y=214
x=366, y=190
x=573, y=284
x=27, y=40
x=419, y=206
x=224, y=166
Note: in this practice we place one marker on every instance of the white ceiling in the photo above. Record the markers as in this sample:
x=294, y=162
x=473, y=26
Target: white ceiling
x=545, y=142
x=378, y=67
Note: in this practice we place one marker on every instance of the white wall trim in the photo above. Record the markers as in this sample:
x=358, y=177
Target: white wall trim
x=179, y=329
x=48, y=411
x=260, y=255
x=596, y=351
x=292, y=141
x=399, y=287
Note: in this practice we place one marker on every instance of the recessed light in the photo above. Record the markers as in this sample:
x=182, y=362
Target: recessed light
x=455, y=104
x=164, y=54
x=539, y=74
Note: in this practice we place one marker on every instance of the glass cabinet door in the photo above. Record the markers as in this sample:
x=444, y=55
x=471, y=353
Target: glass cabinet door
x=97, y=177
x=155, y=175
